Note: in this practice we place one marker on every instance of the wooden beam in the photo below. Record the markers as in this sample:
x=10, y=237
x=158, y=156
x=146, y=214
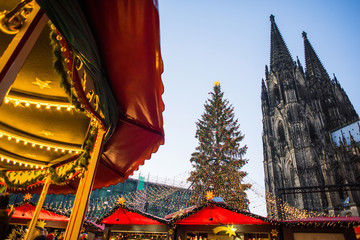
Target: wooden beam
x=18, y=50
x=38, y=208
x=83, y=193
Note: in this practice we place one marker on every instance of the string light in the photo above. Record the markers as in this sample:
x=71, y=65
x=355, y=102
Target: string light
x=19, y=162
x=19, y=139
x=27, y=103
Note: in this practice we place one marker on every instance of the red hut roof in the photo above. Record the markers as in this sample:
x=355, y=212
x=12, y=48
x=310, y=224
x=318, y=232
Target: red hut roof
x=26, y=211
x=217, y=213
x=122, y=215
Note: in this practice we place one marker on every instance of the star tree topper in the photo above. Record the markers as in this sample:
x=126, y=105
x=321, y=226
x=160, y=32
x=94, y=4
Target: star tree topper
x=216, y=83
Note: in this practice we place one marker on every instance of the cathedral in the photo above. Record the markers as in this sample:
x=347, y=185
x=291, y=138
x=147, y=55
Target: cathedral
x=310, y=135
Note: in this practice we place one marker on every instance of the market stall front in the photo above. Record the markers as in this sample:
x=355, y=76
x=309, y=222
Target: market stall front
x=123, y=222
x=212, y=221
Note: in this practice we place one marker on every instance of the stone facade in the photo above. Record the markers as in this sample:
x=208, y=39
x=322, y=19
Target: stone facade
x=300, y=111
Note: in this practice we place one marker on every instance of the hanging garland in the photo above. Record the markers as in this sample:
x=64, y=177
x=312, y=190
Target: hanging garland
x=16, y=183
x=60, y=69
x=79, y=166
x=120, y=236
x=81, y=163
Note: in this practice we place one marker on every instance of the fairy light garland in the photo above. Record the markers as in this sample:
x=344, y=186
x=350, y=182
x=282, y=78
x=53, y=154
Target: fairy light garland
x=28, y=103
x=14, y=161
x=44, y=146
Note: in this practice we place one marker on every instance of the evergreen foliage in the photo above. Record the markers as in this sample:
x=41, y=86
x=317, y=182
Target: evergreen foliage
x=219, y=157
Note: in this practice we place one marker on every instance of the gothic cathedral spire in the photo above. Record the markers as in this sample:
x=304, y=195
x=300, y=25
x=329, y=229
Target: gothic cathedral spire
x=300, y=110
x=314, y=67
x=279, y=54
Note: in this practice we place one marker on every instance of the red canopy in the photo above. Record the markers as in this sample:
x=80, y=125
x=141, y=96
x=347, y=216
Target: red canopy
x=26, y=211
x=213, y=213
x=129, y=40
x=123, y=216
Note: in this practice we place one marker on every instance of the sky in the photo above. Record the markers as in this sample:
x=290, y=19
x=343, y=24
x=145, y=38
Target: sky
x=229, y=41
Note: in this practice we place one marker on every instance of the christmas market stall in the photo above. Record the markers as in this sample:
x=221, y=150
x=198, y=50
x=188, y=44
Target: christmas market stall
x=123, y=222
x=334, y=228
x=80, y=97
x=48, y=218
x=216, y=220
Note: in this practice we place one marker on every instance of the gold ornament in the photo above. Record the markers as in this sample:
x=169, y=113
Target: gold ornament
x=27, y=196
x=274, y=232
x=216, y=83
x=229, y=230
x=121, y=200
x=42, y=84
x=209, y=195
x=41, y=223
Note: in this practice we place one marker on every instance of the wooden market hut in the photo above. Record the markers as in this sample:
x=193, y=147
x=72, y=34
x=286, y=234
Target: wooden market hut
x=214, y=220
x=93, y=121
x=332, y=228
x=127, y=223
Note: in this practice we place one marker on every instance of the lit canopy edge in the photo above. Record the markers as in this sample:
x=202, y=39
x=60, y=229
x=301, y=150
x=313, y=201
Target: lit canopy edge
x=128, y=80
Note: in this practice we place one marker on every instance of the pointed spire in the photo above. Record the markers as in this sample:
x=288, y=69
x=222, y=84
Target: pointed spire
x=263, y=90
x=279, y=55
x=335, y=80
x=266, y=72
x=299, y=64
x=313, y=65
x=264, y=98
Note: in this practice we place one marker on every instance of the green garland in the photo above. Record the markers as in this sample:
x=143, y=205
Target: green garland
x=82, y=161
x=60, y=69
x=16, y=183
x=120, y=236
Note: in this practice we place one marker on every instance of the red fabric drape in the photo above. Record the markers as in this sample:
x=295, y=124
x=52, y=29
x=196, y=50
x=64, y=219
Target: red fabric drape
x=214, y=215
x=128, y=36
x=124, y=217
x=26, y=211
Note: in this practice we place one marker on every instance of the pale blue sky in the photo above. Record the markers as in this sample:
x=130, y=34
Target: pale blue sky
x=229, y=41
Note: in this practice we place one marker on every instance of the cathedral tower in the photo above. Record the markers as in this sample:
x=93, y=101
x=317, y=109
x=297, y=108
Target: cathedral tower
x=301, y=109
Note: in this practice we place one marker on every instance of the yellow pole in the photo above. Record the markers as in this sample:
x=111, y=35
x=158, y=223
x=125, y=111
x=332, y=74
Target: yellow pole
x=38, y=208
x=83, y=193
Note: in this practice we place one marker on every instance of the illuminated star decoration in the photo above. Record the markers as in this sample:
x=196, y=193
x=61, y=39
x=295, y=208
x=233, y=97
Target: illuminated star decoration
x=121, y=200
x=27, y=197
x=274, y=232
x=229, y=230
x=216, y=83
x=41, y=223
x=209, y=195
x=42, y=84
x=46, y=133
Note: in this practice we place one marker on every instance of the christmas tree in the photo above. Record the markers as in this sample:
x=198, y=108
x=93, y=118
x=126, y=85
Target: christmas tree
x=219, y=157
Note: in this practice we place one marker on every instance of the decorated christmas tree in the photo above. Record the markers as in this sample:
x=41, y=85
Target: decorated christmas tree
x=219, y=157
